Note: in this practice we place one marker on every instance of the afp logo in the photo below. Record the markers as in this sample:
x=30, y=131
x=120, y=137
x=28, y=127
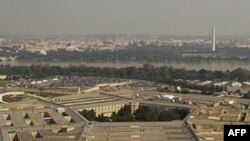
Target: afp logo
x=236, y=132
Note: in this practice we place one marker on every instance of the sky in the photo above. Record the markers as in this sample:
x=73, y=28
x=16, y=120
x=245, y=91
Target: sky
x=163, y=17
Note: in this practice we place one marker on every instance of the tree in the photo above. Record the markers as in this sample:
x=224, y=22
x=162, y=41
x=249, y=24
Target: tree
x=90, y=115
x=169, y=115
x=102, y=118
x=145, y=113
x=124, y=114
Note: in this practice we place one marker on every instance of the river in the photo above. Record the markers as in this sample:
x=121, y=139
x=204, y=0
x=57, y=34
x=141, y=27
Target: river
x=196, y=65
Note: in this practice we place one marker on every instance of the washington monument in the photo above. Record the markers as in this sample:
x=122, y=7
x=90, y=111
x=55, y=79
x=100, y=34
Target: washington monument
x=213, y=40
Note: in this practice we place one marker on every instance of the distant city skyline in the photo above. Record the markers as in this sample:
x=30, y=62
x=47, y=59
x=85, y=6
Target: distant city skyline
x=155, y=17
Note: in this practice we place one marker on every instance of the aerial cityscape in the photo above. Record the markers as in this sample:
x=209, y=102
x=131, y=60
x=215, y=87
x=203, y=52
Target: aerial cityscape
x=163, y=70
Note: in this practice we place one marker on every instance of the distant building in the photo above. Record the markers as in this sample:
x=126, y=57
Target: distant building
x=242, y=88
x=168, y=97
x=43, y=52
x=2, y=77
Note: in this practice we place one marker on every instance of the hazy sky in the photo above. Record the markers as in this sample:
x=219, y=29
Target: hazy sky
x=167, y=17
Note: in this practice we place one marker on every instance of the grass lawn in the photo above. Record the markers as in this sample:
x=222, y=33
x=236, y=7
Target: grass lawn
x=17, y=98
x=4, y=83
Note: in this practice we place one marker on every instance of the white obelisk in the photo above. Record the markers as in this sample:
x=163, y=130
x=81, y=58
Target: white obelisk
x=213, y=40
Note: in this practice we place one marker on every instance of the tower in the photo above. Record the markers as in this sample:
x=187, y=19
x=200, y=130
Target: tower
x=213, y=39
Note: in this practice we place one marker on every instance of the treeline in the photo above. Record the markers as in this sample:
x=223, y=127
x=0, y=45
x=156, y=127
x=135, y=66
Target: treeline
x=147, y=72
x=143, y=113
x=151, y=53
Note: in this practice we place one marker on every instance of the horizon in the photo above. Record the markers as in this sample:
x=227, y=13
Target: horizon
x=124, y=35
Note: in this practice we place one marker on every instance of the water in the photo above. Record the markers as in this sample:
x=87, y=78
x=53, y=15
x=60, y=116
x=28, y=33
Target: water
x=196, y=65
